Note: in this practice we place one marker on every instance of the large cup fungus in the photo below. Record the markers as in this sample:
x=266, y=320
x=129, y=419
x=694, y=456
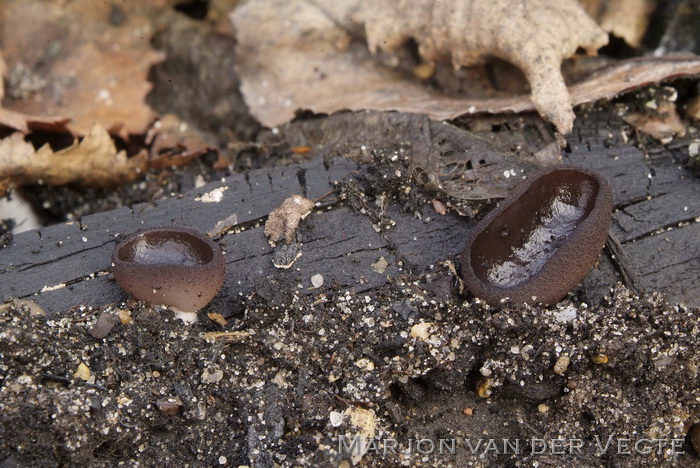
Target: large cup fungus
x=175, y=266
x=540, y=242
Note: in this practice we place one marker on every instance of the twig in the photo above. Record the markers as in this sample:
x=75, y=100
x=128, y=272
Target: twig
x=623, y=264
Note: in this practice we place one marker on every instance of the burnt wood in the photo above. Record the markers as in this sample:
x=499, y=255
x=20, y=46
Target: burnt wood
x=657, y=203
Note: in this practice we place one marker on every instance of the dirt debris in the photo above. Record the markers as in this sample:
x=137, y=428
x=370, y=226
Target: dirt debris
x=284, y=220
x=312, y=357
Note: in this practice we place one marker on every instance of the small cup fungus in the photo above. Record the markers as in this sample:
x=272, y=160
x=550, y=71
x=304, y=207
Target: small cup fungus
x=540, y=242
x=175, y=266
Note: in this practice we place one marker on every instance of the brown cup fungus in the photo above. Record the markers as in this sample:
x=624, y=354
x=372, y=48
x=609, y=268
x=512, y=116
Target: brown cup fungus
x=540, y=242
x=175, y=266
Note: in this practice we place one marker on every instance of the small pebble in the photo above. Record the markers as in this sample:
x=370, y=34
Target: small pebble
x=317, y=280
x=104, y=325
x=562, y=364
x=421, y=330
x=82, y=373
x=336, y=418
x=168, y=407
x=600, y=359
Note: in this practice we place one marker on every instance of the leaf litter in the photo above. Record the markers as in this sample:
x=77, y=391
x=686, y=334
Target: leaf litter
x=76, y=67
x=85, y=64
x=626, y=19
x=93, y=59
x=174, y=142
x=315, y=57
x=94, y=161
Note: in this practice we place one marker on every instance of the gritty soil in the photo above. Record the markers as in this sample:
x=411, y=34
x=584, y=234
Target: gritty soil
x=418, y=369
x=414, y=358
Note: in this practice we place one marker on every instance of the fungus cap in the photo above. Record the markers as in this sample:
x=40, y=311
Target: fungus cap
x=542, y=239
x=175, y=266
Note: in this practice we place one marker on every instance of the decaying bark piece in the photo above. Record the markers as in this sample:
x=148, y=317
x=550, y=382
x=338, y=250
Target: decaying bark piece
x=65, y=265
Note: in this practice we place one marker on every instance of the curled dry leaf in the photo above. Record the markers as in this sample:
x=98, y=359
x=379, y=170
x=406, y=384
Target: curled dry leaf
x=535, y=35
x=24, y=123
x=307, y=59
x=284, y=220
x=3, y=72
x=663, y=123
x=174, y=142
x=68, y=59
x=92, y=162
x=626, y=19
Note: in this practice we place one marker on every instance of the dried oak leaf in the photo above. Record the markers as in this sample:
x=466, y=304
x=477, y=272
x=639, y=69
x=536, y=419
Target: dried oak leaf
x=300, y=55
x=94, y=161
x=3, y=72
x=174, y=142
x=626, y=19
x=663, y=123
x=68, y=59
x=24, y=123
x=284, y=220
x=535, y=35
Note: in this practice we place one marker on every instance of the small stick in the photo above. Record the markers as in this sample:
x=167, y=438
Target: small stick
x=623, y=264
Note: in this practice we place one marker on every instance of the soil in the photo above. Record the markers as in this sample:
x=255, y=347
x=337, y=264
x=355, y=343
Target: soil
x=266, y=393
x=278, y=371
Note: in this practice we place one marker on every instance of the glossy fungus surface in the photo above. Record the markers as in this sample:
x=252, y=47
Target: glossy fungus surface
x=542, y=239
x=178, y=267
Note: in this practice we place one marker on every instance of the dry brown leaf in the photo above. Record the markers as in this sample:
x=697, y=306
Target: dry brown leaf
x=631, y=74
x=285, y=74
x=535, y=35
x=298, y=55
x=74, y=59
x=693, y=109
x=284, y=220
x=24, y=123
x=662, y=123
x=3, y=72
x=21, y=122
x=626, y=19
x=174, y=142
x=92, y=162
